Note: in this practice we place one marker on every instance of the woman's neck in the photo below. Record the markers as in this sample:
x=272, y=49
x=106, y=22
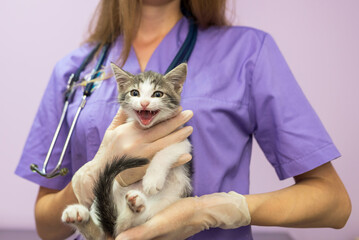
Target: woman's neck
x=156, y=21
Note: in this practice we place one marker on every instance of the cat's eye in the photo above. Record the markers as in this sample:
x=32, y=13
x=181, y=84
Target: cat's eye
x=157, y=94
x=135, y=93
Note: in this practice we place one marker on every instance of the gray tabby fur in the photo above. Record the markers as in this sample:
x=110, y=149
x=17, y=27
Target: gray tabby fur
x=121, y=208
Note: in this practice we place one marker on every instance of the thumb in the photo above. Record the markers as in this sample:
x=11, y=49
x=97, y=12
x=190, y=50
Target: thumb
x=119, y=119
x=138, y=232
x=183, y=159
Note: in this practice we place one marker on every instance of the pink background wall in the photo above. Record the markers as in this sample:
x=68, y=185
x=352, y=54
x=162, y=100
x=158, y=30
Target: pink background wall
x=318, y=38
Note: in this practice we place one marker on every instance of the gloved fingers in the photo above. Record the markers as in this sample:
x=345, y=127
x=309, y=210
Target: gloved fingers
x=119, y=119
x=133, y=175
x=136, y=233
x=183, y=159
x=165, y=128
x=189, y=216
x=174, y=222
x=175, y=137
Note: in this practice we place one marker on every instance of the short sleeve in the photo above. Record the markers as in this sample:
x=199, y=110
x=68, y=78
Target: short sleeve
x=286, y=127
x=45, y=124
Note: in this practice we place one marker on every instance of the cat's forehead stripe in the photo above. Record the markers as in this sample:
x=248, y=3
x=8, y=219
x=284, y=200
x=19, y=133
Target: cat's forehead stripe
x=146, y=88
x=150, y=82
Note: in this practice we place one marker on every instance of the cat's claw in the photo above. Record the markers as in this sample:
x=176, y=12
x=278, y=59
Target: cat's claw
x=75, y=214
x=135, y=201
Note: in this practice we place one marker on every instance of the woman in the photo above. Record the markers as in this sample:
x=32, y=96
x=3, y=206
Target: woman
x=238, y=86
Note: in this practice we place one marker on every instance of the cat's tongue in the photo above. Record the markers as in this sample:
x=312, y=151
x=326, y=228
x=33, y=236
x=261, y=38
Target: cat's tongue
x=146, y=116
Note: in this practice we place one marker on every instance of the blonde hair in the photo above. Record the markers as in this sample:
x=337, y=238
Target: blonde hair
x=121, y=17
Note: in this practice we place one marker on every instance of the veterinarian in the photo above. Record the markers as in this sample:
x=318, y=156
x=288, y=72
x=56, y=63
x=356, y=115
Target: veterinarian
x=238, y=87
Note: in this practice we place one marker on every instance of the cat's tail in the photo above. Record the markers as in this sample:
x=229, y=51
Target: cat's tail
x=105, y=208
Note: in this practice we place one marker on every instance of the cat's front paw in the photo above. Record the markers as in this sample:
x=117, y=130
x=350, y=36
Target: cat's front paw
x=135, y=201
x=75, y=214
x=153, y=183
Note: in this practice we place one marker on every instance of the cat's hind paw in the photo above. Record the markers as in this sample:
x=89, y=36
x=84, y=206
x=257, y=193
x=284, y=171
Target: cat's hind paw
x=135, y=201
x=75, y=214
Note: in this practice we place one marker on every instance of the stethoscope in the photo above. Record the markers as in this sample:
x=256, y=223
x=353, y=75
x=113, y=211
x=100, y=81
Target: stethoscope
x=182, y=55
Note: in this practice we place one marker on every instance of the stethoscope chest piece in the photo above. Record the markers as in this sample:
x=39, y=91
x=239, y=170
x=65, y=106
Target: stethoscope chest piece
x=89, y=88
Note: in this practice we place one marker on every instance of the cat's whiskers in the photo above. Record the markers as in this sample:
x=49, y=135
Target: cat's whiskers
x=162, y=185
x=114, y=100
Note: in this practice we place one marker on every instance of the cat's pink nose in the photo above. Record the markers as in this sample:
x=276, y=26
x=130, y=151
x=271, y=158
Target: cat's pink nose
x=145, y=103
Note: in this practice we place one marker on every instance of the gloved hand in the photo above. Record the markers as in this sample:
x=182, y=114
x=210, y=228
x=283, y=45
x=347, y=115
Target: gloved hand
x=129, y=139
x=189, y=216
x=133, y=175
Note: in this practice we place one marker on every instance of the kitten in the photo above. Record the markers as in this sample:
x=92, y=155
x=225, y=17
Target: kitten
x=148, y=98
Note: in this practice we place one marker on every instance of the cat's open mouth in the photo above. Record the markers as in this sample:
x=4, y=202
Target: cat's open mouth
x=146, y=116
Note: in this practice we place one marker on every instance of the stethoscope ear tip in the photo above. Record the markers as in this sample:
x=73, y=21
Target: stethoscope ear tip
x=64, y=171
x=61, y=172
x=34, y=167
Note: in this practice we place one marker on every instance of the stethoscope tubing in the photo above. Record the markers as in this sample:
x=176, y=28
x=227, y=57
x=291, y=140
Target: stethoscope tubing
x=187, y=47
x=182, y=56
x=87, y=92
x=53, y=173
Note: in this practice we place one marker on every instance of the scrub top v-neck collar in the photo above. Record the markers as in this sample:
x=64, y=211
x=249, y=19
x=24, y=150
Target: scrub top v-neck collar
x=164, y=53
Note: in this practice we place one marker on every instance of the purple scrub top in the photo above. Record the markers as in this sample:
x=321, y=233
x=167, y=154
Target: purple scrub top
x=238, y=86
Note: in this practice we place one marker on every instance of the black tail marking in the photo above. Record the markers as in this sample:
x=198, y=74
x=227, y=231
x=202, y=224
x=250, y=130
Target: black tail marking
x=106, y=209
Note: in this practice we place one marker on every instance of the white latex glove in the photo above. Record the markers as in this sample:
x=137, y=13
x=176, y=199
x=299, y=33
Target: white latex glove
x=133, y=175
x=129, y=139
x=189, y=216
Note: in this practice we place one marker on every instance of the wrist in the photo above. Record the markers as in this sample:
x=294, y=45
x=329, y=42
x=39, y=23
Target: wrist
x=83, y=183
x=196, y=218
x=206, y=211
x=241, y=205
x=68, y=194
x=223, y=210
x=255, y=206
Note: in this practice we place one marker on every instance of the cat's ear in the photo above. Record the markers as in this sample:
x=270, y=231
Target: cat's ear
x=123, y=78
x=177, y=76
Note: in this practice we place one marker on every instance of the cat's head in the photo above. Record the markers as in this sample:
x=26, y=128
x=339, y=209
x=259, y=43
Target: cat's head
x=150, y=97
